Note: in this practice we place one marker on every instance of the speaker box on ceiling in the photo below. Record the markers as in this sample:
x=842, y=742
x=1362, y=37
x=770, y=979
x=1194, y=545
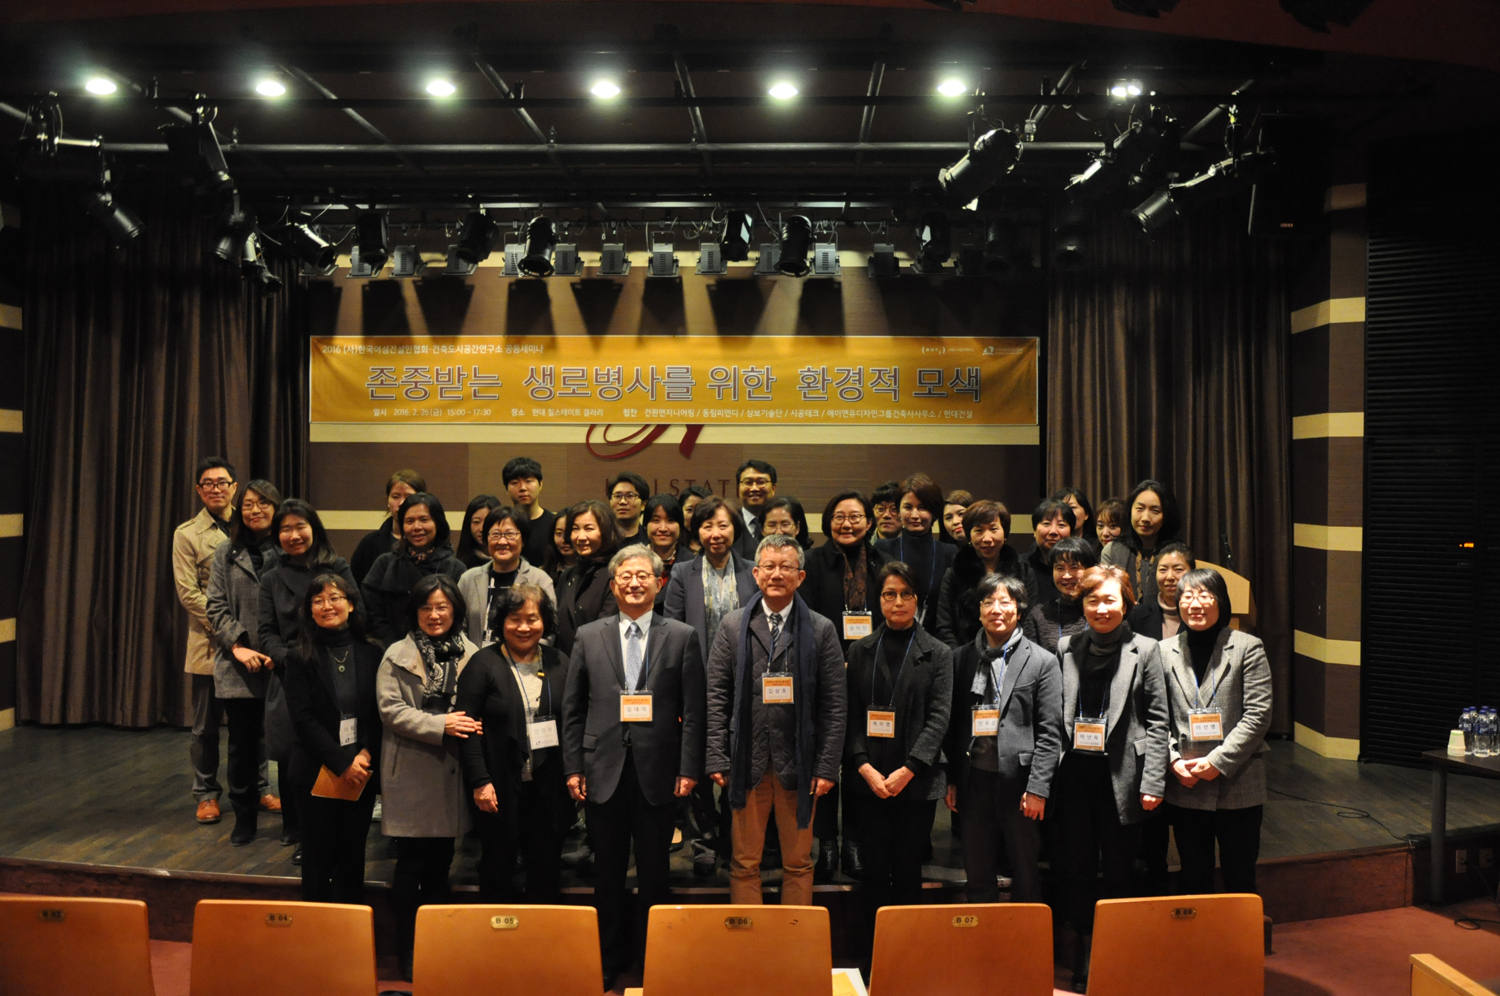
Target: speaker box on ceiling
x=1287, y=201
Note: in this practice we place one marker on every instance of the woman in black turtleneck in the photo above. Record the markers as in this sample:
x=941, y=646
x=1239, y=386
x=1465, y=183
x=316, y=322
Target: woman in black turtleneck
x=422, y=552
x=1219, y=685
x=241, y=670
x=1048, y=623
x=900, y=693
x=917, y=546
x=1114, y=765
x=330, y=690
x=986, y=525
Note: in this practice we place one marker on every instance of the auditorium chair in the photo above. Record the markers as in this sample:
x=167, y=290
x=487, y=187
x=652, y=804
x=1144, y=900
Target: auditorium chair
x=517, y=950
x=245, y=948
x=962, y=945
x=1431, y=976
x=753, y=951
x=51, y=946
x=1179, y=944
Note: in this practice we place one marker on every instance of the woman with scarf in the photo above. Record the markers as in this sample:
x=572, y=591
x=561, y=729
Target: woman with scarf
x=1219, y=685
x=1114, y=764
x=422, y=552
x=424, y=803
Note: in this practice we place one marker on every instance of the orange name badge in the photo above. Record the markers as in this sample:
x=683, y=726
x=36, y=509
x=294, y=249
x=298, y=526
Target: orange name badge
x=776, y=689
x=1206, y=726
x=1088, y=735
x=635, y=707
x=881, y=723
x=986, y=722
x=858, y=625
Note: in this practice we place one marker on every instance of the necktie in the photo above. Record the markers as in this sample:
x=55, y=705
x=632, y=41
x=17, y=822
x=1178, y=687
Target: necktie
x=775, y=632
x=632, y=656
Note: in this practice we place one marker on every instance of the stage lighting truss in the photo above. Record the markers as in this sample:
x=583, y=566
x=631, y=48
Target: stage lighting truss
x=407, y=262
x=663, y=261
x=883, y=261
x=612, y=260
x=710, y=260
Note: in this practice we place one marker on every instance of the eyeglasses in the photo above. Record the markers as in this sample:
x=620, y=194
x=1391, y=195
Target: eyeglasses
x=512, y=536
x=328, y=601
x=1197, y=596
x=999, y=604
x=637, y=577
x=755, y=482
x=898, y=596
x=841, y=519
x=259, y=506
x=624, y=496
x=776, y=570
x=213, y=485
x=434, y=610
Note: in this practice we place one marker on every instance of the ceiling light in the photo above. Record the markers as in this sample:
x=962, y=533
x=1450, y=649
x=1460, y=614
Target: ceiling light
x=605, y=89
x=235, y=226
x=796, y=239
x=993, y=156
x=1124, y=89
x=826, y=260
x=99, y=86
x=783, y=90
x=311, y=248
x=194, y=148
x=1128, y=162
x=953, y=87
x=476, y=238
x=270, y=88
x=119, y=222
x=710, y=260
x=738, y=231
x=407, y=262
x=541, y=240
x=441, y=88
x=612, y=260
x=663, y=261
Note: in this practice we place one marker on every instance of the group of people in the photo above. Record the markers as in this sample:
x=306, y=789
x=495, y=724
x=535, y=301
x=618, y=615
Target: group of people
x=629, y=656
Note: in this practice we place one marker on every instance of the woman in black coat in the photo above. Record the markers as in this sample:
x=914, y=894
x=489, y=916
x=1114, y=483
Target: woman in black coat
x=916, y=546
x=900, y=693
x=514, y=770
x=1053, y=620
x=330, y=691
x=583, y=592
x=986, y=526
x=384, y=539
x=423, y=551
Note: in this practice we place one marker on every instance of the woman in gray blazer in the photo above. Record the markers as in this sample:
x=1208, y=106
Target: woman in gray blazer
x=484, y=587
x=1219, y=686
x=1114, y=764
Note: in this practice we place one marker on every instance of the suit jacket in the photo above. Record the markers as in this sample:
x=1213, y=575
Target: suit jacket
x=1137, y=726
x=749, y=538
x=594, y=740
x=314, y=704
x=1029, y=741
x=1147, y=619
x=824, y=588
x=474, y=586
x=684, y=600
x=922, y=700
x=234, y=614
x=193, y=546
x=583, y=595
x=1237, y=684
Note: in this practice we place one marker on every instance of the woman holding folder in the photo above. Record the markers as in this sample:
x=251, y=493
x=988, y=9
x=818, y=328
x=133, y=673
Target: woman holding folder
x=330, y=692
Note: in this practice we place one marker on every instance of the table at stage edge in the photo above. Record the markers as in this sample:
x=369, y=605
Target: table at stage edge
x=1442, y=762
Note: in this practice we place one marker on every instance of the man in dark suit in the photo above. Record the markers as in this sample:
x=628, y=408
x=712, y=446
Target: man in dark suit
x=755, y=483
x=632, y=738
x=1003, y=744
x=777, y=701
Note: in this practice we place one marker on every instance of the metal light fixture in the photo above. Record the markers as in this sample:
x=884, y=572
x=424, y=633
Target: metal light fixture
x=769, y=259
x=739, y=229
x=993, y=156
x=457, y=266
x=311, y=248
x=407, y=262
x=826, y=260
x=120, y=224
x=100, y=86
x=565, y=260
x=372, y=240
x=612, y=260
x=883, y=262
x=796, y=240
x=541, y=241
x=663, y=261
x=710, y=260
x=513, y=254
x=476, y=238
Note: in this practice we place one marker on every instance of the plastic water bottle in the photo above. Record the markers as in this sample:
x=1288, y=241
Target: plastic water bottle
x=1466, y=723
x=1484, y=732
x=1491, y=731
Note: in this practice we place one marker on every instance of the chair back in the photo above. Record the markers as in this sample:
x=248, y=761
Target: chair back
x=738, y=951
x=1139, y=944
x=1004, y=949
x=51, y=946
x=248, y=948
x=518, y=950
x=1431, y=976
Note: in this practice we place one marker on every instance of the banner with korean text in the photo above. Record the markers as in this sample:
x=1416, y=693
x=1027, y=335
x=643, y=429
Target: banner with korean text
x=703, y=380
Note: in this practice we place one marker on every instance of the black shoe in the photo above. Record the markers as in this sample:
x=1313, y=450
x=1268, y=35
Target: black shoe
x=243, y=832
x=287, y=840
x=580, y=860
x=704, y=864
x=853, y=860
x=828, y=862
x=297, y=856
x=1083, y=951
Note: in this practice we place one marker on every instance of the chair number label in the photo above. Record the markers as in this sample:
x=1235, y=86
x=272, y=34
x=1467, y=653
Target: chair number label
x=505, y=922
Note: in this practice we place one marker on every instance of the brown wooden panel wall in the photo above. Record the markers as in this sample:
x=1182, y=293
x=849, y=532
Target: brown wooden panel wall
x=12, y=453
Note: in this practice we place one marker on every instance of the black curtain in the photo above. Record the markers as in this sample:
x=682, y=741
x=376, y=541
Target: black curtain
x=139, y=362
x=1168, y=359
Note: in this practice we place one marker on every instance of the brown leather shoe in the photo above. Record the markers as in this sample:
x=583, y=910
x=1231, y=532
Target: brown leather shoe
x=208, y=811
x=270, y=803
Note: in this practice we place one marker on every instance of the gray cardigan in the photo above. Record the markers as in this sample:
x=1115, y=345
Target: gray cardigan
x=1237, y=685
x=234, y=616
x=1138, y=724
x=474, y=586
x=420, y=782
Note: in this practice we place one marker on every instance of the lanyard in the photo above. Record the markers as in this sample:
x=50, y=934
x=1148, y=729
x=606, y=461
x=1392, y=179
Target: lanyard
x=530, y=713
x=875, y=668
x=932, y=577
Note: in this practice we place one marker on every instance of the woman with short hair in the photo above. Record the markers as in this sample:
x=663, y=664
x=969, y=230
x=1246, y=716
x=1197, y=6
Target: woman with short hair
x=986, y=524
x=583, y=592
x=1161, y=618
x=1048, y=623
x=422, y=552
x=921, y=505
x=514, y=772
x=473, y=548
x=384, y=539
x=505, y=531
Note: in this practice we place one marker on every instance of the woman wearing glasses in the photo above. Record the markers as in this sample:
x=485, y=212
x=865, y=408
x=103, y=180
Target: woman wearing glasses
x=484, y=588
x=1219, y=686
x=900, y=692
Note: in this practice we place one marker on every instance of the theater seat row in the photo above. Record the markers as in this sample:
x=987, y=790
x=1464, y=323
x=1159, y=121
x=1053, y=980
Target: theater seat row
x=68, y=947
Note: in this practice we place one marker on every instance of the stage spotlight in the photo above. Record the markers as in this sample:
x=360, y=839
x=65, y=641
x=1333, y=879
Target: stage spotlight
x=1219, y=180
x=605, y=89
x=1316, y=14
x=710, y=260
x=783, y=90
x=119, y=222
x=883, y=262
x=612, y=260
x=1145, y=8
x=993, y=156
x=440, y=87
x=1126, y=89
x=311, y=248
x=565, y=261
x=934, y=242
x=953, y=87
x=663, y=261
x=826, y=260
x=457, y=266
x=253, y=265
x=235, y=227
x=541, y=242
x=100, y=86
x=1000, y=247
x=1070, y=226
x=194, y=145
x=1123, y=164
x=796, y=240
x=739, y=229
x=372, y=239
x=512, y=253
x=769, y=259
x=407, y=262
x=477, y=237
x=270, y=88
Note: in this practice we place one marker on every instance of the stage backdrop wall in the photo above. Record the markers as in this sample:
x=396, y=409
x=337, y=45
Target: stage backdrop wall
x=365, y=424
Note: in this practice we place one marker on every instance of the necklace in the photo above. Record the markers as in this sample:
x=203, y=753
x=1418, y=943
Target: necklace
x=341, y=661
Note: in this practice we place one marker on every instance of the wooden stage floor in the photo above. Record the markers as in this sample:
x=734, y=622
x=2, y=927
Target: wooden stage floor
x=113, y=797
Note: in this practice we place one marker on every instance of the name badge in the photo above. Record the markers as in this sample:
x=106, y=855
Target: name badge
x=881, y=723
x=1088, y=734
x=857, y=625
x=1206, y=726
x=635, y=707
x=348, y=731
x=986, y=722
x=776, y=689
x=543, y=733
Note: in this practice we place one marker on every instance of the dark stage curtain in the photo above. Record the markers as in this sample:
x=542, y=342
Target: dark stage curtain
x=139, y=363
x=1168, y=359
